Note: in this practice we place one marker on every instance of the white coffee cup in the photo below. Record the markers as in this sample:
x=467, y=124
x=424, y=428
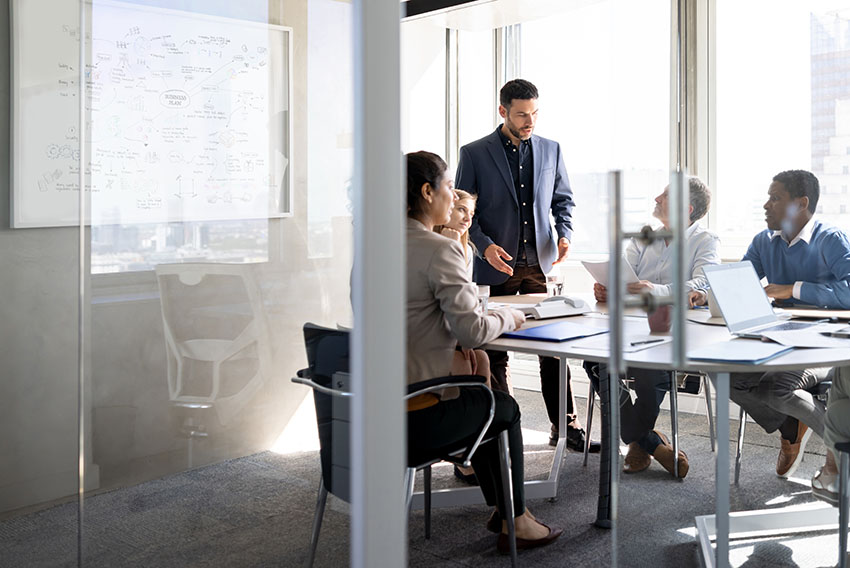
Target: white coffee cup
x=713, y=308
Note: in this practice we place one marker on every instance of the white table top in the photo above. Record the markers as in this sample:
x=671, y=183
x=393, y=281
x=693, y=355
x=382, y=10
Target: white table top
x=660, y=357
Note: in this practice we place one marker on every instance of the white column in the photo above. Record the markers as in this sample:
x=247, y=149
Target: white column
x=378, y=521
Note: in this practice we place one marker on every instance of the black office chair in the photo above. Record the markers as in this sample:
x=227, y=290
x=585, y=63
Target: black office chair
x=820, y=391
x=327, y=374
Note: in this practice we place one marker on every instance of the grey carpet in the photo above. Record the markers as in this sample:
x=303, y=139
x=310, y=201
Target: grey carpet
x=257, y=511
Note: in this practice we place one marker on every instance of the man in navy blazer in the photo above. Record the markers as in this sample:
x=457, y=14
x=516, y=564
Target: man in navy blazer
x=520, y=179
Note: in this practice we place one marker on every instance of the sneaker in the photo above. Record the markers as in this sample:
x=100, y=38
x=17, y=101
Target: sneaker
x=825, y=487
x=637, y=459
x=790, y=455
x=664, y=455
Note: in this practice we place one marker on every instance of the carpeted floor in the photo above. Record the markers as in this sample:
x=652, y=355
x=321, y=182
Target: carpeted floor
x=257, y=511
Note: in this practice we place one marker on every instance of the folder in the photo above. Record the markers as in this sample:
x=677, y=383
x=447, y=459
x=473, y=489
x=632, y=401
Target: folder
x=745, y=351
x=559, y=331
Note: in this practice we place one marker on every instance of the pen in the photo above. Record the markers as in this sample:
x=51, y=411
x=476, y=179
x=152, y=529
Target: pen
x=645, y=342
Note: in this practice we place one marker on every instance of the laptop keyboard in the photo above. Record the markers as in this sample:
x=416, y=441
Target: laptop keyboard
x=787, y=326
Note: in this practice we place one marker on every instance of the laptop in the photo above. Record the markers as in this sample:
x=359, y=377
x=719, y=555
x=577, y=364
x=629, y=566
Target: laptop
x=743, y=303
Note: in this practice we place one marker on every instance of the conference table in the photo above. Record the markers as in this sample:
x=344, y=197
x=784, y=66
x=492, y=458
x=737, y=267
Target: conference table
x=661, y=357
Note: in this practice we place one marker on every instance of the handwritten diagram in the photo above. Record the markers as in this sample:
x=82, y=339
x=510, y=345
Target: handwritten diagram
x=187, y=118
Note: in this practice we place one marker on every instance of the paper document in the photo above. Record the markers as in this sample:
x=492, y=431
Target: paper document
x=599, y=271
x=746, y=351
x=814, y=337
x=630, y=344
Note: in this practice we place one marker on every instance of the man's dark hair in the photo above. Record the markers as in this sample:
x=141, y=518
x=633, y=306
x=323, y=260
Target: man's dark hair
x=517, y=89
x=800, y=183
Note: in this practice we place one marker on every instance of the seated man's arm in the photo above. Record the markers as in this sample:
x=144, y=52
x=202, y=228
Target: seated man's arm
x=834, y=294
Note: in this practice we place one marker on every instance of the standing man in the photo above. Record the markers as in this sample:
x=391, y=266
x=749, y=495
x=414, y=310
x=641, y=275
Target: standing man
x=520, y=179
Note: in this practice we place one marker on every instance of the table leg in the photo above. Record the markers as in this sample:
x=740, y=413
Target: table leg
x=721, y=385
x=603, y=508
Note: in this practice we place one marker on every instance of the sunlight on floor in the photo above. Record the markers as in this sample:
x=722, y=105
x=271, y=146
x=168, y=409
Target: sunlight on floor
x=301, y=433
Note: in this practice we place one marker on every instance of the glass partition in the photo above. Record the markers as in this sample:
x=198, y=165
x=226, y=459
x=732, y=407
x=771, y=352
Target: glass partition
x=218, y=158
x=39, y=250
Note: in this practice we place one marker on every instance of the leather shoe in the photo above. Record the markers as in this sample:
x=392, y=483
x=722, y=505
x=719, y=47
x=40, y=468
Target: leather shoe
x=575, y=439
x=790, y=455
x=503, y=545
x=664, y=455
x=825, y=487
x=637, y=459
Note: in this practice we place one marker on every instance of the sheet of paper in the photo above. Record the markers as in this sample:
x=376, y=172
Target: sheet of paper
x=812, y=337
x=630, y=343
x=599, y=271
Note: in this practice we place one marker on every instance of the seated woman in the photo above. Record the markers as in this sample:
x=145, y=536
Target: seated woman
x=466, y=361
x=441, y=314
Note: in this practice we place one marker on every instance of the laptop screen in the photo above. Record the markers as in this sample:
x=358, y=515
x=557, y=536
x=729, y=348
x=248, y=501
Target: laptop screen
x=739, y=295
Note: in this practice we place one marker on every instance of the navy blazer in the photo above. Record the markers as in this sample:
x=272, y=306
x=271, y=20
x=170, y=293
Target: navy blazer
x=483, y=170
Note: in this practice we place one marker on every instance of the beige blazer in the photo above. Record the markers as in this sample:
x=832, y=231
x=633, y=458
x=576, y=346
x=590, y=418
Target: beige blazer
x=441, y=305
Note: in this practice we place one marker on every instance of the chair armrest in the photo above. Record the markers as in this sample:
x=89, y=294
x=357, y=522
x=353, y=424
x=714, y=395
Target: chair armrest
x=317, y=387
x=442, y=382
x=843, y=447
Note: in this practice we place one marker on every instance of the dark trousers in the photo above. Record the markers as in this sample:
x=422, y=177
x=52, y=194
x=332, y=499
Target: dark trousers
x=530, y=280
x=637, y=419
x=436, y=431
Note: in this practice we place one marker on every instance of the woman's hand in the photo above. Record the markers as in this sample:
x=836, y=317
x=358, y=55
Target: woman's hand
x=469, y=355
x=600, y=292
x=453, y=234
x=639, y=286
x=519, y=319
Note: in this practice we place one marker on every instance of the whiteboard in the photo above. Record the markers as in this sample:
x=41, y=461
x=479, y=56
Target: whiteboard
x=187, y=116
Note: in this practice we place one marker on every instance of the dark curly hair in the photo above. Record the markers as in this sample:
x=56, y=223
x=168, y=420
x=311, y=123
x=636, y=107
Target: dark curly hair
x=800, y=183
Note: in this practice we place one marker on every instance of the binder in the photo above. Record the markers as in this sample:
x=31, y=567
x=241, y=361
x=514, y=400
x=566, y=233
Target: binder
x=559, y=331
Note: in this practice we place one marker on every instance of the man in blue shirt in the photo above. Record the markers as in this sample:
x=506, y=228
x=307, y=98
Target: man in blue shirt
x=805, y=261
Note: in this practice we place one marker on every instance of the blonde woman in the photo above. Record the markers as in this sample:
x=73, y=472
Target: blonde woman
x=458, y=226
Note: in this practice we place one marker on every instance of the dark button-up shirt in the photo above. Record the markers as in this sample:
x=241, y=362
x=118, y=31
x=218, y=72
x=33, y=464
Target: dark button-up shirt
x=521, y=163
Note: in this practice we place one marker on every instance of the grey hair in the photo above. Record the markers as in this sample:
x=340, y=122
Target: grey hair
x=700, y=197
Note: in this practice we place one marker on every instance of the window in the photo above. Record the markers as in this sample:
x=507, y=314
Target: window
x=763, y=129
x=605, y=97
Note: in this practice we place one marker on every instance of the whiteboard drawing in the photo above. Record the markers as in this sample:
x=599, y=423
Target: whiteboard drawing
x=187, y=116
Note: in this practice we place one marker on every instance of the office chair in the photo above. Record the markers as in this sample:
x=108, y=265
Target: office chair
x=217, y=341
x=327, y=374
x=819, y=391
x=677, y=378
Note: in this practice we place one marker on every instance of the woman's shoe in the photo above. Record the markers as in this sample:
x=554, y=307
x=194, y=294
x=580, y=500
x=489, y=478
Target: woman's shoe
x=825, y=486
x=503, y=545
x=467, y=478
x=494, y=523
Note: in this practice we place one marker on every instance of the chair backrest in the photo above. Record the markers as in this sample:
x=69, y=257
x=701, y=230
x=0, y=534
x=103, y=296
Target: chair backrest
x=216, y=335
x=328, y=355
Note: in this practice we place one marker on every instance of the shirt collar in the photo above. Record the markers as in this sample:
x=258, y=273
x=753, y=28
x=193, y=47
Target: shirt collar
x=805, y=233
x=507, y=141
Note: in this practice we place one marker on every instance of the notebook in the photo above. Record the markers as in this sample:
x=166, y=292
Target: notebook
x=743, y=303
x=559, y=331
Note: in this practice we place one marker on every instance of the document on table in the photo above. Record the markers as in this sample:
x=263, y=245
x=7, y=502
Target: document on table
x=630, y=344
x=748, y=351
x=814, y=337
x=599, y=271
